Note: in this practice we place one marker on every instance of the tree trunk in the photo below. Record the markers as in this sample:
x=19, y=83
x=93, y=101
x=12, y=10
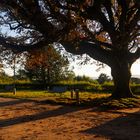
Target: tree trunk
x=121, y=76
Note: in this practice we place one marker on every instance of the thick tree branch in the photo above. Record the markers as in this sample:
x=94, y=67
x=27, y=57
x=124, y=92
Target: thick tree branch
x=122, y=20
x=134, y=56
x=133, y=23
x=108, y=6
x=20, y=48
x=90, y=49
x=95, y=13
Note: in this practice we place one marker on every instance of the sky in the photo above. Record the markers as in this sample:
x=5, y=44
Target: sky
x=91, y=70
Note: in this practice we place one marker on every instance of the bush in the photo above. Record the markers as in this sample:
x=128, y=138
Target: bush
x=81, y=85
x=107, y=87
x=135, y=88
x=3, y=87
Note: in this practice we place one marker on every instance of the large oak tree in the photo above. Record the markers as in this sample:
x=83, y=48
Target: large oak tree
x=106, y=30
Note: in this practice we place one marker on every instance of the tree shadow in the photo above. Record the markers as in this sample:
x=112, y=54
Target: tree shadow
x=13, y=102
x=46, y=114
x=122, y=128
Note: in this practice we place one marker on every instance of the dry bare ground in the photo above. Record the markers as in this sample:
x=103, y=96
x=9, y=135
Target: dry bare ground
x=30, y=120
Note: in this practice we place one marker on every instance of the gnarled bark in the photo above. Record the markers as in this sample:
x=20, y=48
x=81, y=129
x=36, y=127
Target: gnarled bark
x=121, y=76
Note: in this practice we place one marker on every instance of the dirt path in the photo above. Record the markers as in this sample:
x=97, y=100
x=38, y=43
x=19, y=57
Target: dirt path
x=29, y=120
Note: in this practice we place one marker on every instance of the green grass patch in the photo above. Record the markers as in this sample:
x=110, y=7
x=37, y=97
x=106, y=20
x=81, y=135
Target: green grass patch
x=102, y=100
x=28, y=94
x=43, y=94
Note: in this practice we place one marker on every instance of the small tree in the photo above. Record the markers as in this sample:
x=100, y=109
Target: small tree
x=46, y=65
x=21, y=75
x=103, y=78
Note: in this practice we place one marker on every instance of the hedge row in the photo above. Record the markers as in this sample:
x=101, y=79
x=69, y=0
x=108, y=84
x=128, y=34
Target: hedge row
x=7, y=87
x=81, y=86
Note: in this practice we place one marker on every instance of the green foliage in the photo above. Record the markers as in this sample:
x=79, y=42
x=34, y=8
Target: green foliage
x=27, y=94
x=5, y=79
x=84, y=78
x=108, y=87
x=135, y=80
x=82, y=83
x=136, y=88
x=103, y=78
x=21, y=75
x=47, y=66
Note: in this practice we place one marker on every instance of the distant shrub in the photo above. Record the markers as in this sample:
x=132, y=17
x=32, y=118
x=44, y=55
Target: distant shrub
x=107, y=87
x=135, y=88
x=81, y=85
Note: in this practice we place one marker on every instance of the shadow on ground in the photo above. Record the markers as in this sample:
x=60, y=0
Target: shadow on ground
x=13, y=102
x=62, y=110
x=126, y=127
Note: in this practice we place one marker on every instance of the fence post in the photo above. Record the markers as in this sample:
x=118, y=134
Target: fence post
x=77, y=96
x=71, y=94
x=14, y=84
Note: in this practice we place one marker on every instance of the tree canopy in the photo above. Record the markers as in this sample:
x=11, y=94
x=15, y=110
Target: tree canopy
x=106, y=30
x=46, y=65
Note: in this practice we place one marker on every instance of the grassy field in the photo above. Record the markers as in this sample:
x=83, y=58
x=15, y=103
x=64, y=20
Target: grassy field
x=86, y=98
x=27, y=94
